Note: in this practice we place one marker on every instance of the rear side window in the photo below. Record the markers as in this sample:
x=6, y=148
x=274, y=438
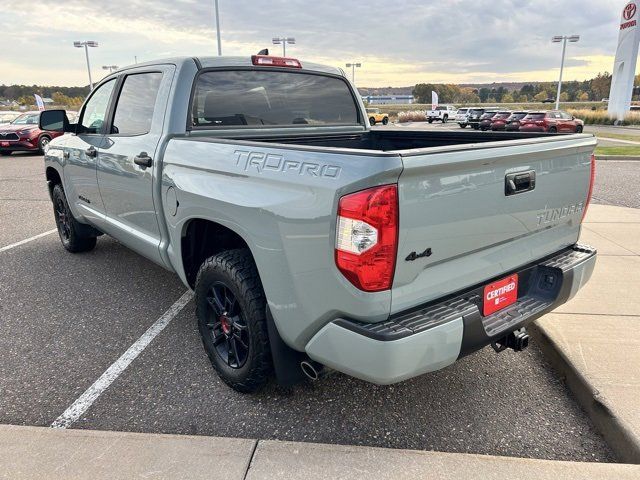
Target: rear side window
x=134, y=110
x=271, y=98
x=535, y=116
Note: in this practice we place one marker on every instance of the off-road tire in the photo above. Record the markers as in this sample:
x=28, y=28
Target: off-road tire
x=579, y=129
x=237, y=271
x=445, y=118
x=553, y=130
x=385, y=120
x=75, y=236
x=372, y=121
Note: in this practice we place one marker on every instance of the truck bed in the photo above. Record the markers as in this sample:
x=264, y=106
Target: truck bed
x=396, y=140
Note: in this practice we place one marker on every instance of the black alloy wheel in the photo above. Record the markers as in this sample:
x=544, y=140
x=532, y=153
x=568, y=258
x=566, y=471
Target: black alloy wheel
x=63, y=219
x=227, y=326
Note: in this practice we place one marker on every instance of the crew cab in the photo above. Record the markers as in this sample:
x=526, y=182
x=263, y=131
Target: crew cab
x=23, y=135
x=310, y=240
x=442, y=113
x=554, y=121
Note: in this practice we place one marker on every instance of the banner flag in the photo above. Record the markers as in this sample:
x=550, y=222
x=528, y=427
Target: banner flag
x=39, y=101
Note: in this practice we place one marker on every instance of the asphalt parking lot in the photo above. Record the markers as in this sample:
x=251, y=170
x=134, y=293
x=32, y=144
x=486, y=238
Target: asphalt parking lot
x=64, y=319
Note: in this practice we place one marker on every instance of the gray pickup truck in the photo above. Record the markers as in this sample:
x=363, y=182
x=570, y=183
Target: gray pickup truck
x=310, y=239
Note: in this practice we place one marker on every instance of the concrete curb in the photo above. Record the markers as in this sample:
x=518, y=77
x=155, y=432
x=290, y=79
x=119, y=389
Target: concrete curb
x=616, y=432
x=42, y=452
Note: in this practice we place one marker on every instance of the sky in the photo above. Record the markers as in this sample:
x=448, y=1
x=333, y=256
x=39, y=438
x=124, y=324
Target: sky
x=399, y=43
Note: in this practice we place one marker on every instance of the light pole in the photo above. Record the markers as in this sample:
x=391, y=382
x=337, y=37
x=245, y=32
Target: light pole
x=86, y=44
x=353, y=70
x=218, y=28
x=563, y=39
x=111, y=68
x=283, y=41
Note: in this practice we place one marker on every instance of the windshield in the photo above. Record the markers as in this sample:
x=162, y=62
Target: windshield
x=476, y=111
x=27, y=119
x=271, y=98
x=462, y=111
x=488, y=115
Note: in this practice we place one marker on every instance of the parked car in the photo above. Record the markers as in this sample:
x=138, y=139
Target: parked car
x=485, y=119
x=462, y=117
x=24, y=135
x=8, y=117
x=442, y=113
x=549, y=100
x=376, y=117
x=513, y=122
x=474, y=117
x=553, y=121
x=381, y=253
x=499, y=120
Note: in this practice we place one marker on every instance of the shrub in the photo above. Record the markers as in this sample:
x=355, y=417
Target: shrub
x=601, y=117
x=412, y=116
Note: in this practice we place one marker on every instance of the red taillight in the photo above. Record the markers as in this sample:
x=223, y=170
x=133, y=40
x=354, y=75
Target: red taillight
x=268, y=61
x=591, y=182
x=367, y=237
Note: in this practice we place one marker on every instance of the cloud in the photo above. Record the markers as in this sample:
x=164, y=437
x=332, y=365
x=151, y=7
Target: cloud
x=399, y=43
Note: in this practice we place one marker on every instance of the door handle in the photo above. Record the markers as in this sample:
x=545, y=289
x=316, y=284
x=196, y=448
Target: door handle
x=519, y=182
x=143, y=159
x=91, y=152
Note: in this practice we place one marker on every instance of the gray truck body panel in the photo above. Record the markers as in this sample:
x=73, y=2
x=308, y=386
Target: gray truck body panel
x=282, y=200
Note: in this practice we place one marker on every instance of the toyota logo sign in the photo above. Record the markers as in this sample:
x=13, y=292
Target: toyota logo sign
x=629, y=11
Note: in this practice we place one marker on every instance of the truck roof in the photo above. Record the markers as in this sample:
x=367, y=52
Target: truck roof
x=235, y=61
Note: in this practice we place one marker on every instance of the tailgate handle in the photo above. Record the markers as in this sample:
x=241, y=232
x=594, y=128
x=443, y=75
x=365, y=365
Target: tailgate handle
x=519, y=182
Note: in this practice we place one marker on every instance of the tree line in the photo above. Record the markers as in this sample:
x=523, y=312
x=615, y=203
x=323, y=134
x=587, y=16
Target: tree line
x=594, y=89
x=23, y=94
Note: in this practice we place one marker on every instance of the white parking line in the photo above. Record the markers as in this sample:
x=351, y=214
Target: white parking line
x=27, y=240
x=84, y=401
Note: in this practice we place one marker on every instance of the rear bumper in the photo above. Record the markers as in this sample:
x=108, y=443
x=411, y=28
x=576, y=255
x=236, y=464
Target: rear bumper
x=435, y=335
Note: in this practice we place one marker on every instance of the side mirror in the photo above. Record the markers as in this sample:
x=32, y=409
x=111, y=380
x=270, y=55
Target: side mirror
x=54, y=121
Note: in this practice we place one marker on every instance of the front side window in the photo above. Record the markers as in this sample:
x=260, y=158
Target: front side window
x=134, y=110
x=95, y=110
x=271, y=98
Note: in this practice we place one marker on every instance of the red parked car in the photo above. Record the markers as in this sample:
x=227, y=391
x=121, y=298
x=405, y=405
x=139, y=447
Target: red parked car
x=513, y=122
x=23, y=135
x=485, y=119
x=554, y=121
x=499, y=120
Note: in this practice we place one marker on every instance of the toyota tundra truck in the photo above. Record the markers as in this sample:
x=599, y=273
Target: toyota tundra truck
x=312, y=242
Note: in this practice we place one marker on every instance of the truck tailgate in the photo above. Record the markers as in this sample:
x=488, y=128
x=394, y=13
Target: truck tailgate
x=461, y=223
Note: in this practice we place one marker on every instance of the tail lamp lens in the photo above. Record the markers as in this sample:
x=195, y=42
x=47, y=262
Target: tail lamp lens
x=591, y=182
x=367, y=237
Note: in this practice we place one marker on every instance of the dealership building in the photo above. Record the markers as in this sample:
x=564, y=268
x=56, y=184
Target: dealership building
x=385, y=99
